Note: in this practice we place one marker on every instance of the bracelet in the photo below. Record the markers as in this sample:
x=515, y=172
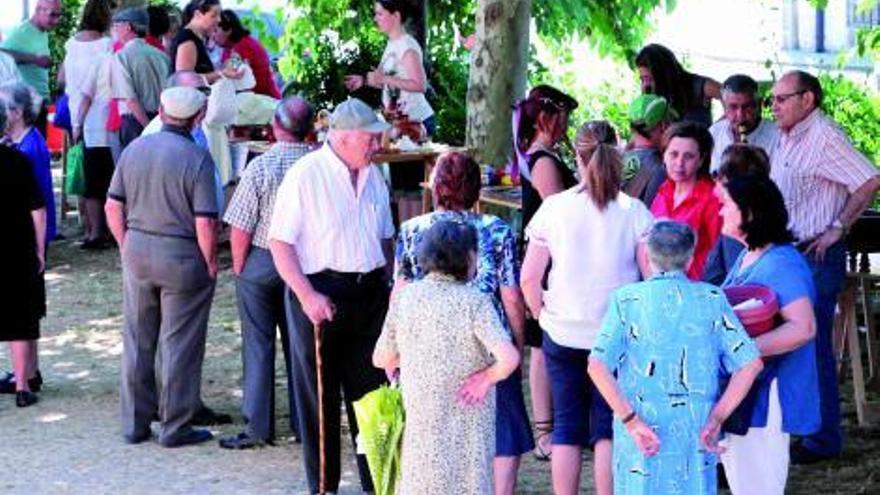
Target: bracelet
x=629, y=417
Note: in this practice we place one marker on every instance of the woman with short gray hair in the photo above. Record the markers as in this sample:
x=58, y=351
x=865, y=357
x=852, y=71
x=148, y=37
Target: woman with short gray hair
x=455, y=189
x=448, y=341
x=24, y=300
x=667, y=338
x=671, y=246
x=22, y=135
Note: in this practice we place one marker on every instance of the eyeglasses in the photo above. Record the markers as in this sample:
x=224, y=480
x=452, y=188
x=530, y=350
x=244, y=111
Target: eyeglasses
x=782, y=98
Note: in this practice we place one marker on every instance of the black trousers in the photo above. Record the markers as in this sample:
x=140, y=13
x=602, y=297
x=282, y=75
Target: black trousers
x=131, y=129
x=361, y=301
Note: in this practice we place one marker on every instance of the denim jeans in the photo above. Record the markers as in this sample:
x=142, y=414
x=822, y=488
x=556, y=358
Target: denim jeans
x=828, y=277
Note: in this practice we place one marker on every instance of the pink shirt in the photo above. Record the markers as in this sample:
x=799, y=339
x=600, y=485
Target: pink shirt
x=700, y=210
x=816, y=169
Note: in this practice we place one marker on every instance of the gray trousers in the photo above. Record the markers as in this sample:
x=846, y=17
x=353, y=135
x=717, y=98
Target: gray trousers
x=166, y=299
x=260, y=292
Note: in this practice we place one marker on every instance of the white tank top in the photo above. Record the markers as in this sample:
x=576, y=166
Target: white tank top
x=415, y=105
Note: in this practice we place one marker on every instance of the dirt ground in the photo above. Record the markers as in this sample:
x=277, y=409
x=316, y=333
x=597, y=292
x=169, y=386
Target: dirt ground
x=70, y=442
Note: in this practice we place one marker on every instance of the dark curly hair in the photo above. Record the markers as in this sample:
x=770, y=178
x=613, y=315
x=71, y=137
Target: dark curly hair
x=446, y=248
x=764, y=217
x=457, y=181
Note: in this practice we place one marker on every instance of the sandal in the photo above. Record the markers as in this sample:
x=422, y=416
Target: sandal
x=542, y=429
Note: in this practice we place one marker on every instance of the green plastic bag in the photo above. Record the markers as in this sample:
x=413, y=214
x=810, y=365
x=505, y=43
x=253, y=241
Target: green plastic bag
x=380, y=418
x=75, y=183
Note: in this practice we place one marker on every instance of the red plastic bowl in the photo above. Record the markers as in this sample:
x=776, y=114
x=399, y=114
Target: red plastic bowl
x=760, y=320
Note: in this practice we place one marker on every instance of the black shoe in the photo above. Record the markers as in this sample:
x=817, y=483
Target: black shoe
x=96, y=244
x=802, y=455
x=137, y=438
x=242, y=441
x=7, y=383
x=25, y=398
x=190, y=436
x=207, y=417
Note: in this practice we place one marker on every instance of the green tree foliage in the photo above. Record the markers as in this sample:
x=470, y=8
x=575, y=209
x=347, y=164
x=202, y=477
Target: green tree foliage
x=856, y=111
x=326, y=39
x=614, y=28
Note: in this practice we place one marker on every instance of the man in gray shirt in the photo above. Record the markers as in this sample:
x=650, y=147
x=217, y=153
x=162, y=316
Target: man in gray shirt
x=137, y=74
x=644, y=170
x=162, y=210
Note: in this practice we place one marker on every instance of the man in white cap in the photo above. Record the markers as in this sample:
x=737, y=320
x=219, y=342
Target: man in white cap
x=162, y=210
x=330, y=238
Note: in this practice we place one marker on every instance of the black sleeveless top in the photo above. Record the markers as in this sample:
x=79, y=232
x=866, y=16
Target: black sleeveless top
x=531, y=199
x=203, y=61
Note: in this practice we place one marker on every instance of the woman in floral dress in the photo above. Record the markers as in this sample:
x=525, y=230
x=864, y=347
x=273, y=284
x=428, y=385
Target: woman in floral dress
x=456, y=187
x=443, y=335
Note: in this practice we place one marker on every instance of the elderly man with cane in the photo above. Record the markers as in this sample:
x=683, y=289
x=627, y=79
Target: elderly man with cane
x=331, y=240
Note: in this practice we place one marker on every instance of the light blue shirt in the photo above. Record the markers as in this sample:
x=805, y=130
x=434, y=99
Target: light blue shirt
x=783, y=269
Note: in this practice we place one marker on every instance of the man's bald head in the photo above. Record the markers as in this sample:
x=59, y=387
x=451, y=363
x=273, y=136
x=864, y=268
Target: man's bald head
x=47, y=14
x=294, y=119
x=188, y=78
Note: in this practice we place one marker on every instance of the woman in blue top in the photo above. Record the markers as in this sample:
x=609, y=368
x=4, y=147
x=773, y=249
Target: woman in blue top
x=668, y=338
x=456, y=187
x=24, y=137
x=785, y=399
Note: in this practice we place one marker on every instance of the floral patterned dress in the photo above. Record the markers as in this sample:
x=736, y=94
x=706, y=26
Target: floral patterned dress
x=496, y=252
x=442, y=330
x=496, y=268
x=669, y=339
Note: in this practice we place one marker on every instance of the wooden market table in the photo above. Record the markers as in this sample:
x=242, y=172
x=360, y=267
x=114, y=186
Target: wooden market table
x=858, y=286
x=503, y=196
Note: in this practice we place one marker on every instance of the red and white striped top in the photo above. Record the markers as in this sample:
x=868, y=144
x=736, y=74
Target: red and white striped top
x=317, y=210
x=817, y=168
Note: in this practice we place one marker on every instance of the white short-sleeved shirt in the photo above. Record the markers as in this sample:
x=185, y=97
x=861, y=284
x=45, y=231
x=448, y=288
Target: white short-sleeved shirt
x=415, y=105
x=97, y=86
x=317, y=211
x=593, y=253
x=765, y=136
x=79, y=59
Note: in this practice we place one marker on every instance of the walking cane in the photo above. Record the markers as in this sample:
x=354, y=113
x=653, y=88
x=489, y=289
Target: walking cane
x=322, y=454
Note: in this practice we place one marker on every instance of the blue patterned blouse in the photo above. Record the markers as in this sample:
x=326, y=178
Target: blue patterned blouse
x=496, y=252
x=668, y=339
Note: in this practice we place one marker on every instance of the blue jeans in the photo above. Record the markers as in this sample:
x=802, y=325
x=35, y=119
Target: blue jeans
x=828, y=276
x=580, y=415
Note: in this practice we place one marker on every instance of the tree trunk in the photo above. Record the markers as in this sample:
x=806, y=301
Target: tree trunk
x=417, y=26
x=499, y=64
